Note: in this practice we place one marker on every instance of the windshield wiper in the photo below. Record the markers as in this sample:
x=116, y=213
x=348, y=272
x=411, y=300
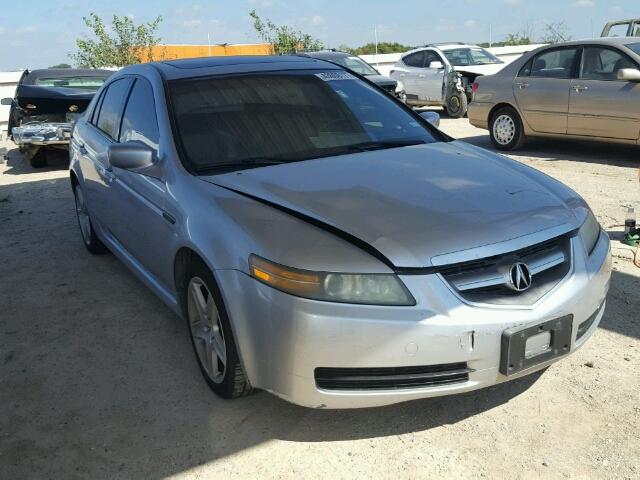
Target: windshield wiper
x=240, y=165
x=381, y=145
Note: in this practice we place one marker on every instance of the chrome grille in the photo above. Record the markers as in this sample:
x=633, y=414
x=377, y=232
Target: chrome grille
x=487, y=280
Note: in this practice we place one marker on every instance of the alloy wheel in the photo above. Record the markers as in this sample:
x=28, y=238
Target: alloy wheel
x=206, y=329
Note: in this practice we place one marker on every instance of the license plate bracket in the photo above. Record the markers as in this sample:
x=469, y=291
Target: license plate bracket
x=514, y=340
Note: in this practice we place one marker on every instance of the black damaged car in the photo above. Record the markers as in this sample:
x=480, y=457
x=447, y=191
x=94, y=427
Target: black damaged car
x=46, y=104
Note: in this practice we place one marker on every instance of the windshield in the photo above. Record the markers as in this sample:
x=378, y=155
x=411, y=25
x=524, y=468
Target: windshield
x=459, y=57
x=634, y=46
x=83, y=83
x=357, y=65
x=241, y=121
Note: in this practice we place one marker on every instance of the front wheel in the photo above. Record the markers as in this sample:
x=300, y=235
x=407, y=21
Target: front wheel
x=211, y=334
x=457, y=105
x=506, y=129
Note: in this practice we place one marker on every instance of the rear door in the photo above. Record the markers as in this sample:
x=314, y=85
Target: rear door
x=407, y=73
x=94, y=139
x=601, y=105
x=542, y=87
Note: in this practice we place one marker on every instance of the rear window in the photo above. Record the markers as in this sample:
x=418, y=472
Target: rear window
x=227, y=121
x=82, y=83
x=357, y=65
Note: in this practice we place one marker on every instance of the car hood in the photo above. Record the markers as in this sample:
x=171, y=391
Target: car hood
x=382, y=80
x=489, y=69
x=414, y=204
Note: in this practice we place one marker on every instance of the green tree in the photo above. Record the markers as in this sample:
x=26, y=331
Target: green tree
x=516, y=38
x=283, y=39
x=555, y=32
x=61, y=65
x=129, y=43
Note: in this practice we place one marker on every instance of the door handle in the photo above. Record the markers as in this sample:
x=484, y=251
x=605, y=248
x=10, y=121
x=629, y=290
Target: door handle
x=580, y=88
x=82, y=149
x=522, y=85
x=421, y=75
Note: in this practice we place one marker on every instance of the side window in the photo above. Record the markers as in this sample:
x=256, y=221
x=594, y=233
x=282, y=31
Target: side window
x=525, y=71
x=139, y=121
x=111, y=109
x=554, y=63
x=600, y=63
x=96, y=109
x=430, y=56
x=414, y=60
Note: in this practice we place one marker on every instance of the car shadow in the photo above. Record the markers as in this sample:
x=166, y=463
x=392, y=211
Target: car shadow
x=567, y=149
x=57, y=159
x=99, y=379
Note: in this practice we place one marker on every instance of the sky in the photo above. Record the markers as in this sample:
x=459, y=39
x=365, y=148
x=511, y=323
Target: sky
x=41, y=33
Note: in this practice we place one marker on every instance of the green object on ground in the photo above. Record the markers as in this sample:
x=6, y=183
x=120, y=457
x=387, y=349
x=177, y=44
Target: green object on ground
x=632, y=238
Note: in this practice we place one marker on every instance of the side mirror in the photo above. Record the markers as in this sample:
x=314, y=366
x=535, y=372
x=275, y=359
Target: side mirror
x=436, y=65
x=130, y=155
x=629, y=74
x=6, y=101
x=432, y=117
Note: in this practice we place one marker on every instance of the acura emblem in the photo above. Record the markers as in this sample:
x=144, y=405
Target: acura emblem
x=519, y=277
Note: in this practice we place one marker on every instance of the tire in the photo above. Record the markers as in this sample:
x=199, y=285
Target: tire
x=457, y=105
x=211, y=335
x=39, y=159
x=505, y=129
x=89, y=237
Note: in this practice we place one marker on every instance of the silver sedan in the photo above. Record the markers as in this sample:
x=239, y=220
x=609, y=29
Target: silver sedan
x=585, y=89
x=326, y=243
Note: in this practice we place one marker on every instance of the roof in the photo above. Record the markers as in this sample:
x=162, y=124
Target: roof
x=441, y=46
x=452, y=45
x=603, y=40
x=204, y=66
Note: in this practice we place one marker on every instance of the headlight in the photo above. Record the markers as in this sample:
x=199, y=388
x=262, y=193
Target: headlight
x=590, y=232
x=369, y=289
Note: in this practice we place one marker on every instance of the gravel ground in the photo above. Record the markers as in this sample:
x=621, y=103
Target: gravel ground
x=98, y=380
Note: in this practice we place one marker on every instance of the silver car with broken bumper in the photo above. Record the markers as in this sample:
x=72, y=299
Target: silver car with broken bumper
x=324, y=242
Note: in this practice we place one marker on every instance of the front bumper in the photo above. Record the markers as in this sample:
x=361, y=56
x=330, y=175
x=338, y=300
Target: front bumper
x=282, y=339
x=42, y=134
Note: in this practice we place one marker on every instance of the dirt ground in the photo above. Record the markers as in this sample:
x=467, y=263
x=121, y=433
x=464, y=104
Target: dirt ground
x=98, y=380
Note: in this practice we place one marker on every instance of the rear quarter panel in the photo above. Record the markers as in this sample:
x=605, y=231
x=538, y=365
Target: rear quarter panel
x=495, y=91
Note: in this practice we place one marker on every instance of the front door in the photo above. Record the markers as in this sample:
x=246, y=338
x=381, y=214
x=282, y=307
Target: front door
x=542, y=89
x=431, y=77
x=137, y=216
x=600, y=105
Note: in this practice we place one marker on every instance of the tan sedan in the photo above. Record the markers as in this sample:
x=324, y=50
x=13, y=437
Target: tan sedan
x=584, y=89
